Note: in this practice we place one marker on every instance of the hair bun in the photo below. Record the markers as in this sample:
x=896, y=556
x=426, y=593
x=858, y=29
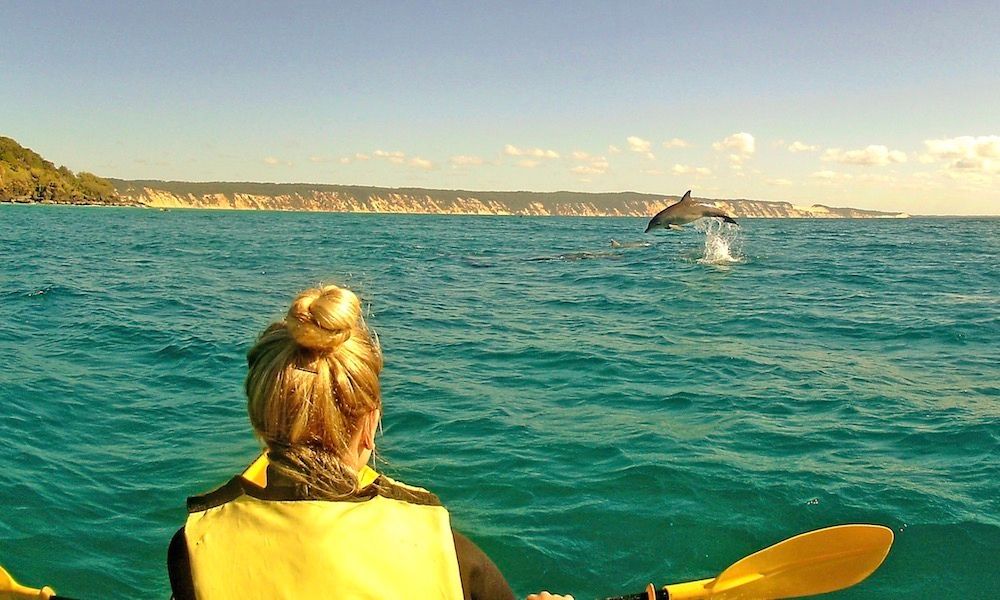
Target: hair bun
x=323, y=318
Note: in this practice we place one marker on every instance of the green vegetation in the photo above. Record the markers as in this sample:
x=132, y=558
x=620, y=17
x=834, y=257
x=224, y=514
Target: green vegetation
x=27, y=177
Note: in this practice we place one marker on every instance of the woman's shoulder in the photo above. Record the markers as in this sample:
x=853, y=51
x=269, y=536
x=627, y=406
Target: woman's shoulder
x=388, y=487
x=224, y=493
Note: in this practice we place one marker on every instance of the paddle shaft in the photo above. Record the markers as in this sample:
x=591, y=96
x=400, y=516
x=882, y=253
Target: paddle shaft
x=660, y=595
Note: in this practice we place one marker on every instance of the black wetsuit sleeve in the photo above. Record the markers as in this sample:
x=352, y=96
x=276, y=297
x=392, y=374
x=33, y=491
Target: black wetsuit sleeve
x=179, y=568
x=481, y=579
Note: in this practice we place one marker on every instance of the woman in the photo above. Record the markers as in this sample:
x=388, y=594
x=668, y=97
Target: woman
x=324, y=524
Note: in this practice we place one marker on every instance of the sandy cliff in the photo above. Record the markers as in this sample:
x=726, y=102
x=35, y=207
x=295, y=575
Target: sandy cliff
x=330, y=198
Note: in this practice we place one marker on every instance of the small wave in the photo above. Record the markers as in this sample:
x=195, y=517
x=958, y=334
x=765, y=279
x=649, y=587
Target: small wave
x=723, y=245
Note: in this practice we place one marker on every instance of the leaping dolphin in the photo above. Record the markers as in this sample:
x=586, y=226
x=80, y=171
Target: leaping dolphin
x=684, y=212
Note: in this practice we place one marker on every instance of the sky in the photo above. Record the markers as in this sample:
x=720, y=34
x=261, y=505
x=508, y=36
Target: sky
x=881, y=105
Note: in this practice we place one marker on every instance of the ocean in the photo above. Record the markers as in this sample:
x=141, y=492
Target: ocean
x=595, y=418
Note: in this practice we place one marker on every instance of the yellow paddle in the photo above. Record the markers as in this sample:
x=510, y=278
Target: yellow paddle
x=12, y=590
x=811, y=563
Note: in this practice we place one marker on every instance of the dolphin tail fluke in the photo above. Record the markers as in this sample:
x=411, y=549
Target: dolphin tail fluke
x=729, y=219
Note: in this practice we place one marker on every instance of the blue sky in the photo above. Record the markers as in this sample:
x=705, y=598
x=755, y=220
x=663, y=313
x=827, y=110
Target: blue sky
x=891, y=106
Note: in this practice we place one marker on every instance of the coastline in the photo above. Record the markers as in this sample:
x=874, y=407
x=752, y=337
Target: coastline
x=365, y=199
x=167, y=208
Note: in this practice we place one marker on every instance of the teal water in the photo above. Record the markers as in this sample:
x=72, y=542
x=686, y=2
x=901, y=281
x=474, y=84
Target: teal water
x=594, y=418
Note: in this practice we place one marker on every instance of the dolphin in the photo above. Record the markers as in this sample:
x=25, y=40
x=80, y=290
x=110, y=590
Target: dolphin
x=684, y=212
x=617, y=244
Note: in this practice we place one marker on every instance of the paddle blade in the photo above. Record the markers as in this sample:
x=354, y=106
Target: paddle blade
x=12, y=590
x=812, y=563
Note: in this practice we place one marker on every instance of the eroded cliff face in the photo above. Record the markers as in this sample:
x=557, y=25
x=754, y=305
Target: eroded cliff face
x=292, y=197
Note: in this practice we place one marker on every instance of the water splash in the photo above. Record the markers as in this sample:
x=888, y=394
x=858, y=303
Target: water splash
x=723, y=245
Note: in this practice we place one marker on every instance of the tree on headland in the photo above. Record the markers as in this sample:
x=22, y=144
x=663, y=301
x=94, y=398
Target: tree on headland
x=26, y=176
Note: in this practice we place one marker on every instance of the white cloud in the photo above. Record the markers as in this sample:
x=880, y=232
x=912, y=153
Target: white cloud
x=979, y=154
x=528, y=163
x=779, y=182
x=276, y=162
x=612, y=149
x=588, y=170
x=637, y=144
x=797, y=146
x=874, y=155
x=511, y=150
x=421, y=163
x=739, y=144
x=318, y=159
x=688, y=170
x=466, y=161
x=676, y=143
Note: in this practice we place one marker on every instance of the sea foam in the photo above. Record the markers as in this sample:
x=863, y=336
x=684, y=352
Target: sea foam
x=723, y=245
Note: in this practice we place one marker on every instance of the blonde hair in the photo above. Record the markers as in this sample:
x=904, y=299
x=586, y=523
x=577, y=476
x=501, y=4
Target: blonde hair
x=311, y=378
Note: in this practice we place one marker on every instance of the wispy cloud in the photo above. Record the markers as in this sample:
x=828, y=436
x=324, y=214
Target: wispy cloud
x=463, y=160
x=593, y=165
x=272, y=161
x=676, y=143
x=612, y=149
x=528, y=163
x=511, y=150
x=640, y=146
x=829, y=176
x=346, y=160
x=798, y=146
x=780, y=182
x=395, y=157
x=874, y=155
x=689, y=170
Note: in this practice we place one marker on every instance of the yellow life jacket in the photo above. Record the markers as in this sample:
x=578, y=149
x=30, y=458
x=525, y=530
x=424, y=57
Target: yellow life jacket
x=388, y=541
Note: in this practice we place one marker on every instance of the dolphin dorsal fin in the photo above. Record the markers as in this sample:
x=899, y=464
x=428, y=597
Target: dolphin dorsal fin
x=686, y=198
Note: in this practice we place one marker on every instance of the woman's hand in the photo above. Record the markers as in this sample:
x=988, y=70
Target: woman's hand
x=548, y=596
